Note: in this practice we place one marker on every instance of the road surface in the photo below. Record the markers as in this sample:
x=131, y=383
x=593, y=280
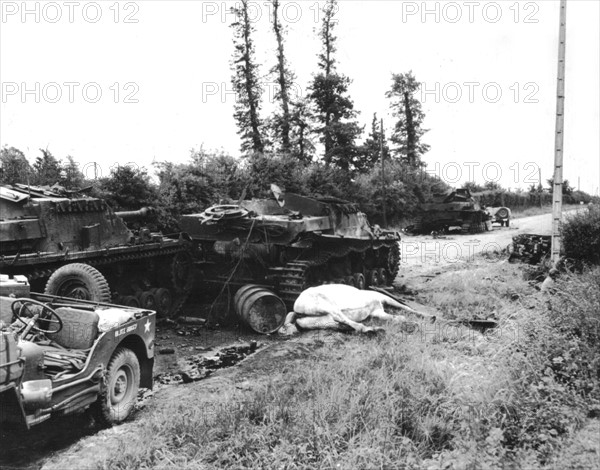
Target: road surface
x=421, y=250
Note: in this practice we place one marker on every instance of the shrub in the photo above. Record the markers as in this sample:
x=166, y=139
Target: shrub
x=581, y=236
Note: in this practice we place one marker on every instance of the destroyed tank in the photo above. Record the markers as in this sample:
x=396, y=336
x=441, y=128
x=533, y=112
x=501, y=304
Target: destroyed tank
x=289, y=243
x=455, y=210
x=71, y=245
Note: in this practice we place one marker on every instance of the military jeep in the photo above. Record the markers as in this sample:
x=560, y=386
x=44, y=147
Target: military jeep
x=61, y=355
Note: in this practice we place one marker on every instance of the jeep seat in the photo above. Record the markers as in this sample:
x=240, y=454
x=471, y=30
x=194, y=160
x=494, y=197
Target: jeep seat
x=80, y=328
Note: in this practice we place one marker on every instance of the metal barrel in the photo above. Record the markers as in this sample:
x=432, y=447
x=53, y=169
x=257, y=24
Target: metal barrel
x=260, y=309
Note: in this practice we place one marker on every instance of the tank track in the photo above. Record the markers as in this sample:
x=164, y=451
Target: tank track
x=293, y=278
x=473, y=228
x=181, y=294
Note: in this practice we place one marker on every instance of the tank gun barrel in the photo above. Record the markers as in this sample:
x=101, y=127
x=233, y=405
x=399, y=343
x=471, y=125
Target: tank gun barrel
x=141, y=214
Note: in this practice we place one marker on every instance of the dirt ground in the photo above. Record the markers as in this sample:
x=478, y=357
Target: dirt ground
x=72, y=442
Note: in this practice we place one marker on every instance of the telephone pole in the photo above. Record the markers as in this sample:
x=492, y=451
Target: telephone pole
x=558, y=147
x=383, y=187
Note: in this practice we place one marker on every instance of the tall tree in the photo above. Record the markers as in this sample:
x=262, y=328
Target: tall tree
x=284, y=77
x=245, y=81
x=407, y=109
x=329, y=92
x=14, y=167
x=301, y=128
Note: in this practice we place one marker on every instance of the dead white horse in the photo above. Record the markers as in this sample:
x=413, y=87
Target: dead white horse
x=339, y=307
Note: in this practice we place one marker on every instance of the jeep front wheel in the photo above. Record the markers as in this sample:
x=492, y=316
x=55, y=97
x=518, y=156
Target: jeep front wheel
x=120, y=388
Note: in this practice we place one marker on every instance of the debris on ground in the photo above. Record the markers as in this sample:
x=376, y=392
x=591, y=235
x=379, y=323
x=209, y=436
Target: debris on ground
x=530, y=248
x=200, y=366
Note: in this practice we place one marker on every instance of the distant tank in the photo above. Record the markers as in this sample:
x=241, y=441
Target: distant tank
x=455, y=210
x=289, y=242
x=71, y=245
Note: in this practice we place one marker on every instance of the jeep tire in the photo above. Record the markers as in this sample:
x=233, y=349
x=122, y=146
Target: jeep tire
x=120, y=388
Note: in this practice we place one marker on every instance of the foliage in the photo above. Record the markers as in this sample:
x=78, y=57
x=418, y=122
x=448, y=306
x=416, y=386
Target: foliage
x=566, y=187
x=46, y=169
x=371, y=149
x=14, y=167
x=282, y=119
x=127, y=188
x=302, y=145
x=260, y=171
x=581, y=236
x=335, y=112
x=187, y=188
x=408, y=129
x=405, y=189
x=245, y=81
x=72, y=177
x=324, y=180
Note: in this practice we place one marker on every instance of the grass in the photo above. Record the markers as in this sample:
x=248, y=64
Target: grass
x=420, y=396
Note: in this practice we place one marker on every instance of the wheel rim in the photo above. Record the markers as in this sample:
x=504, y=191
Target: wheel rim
x=359, y=281
x=163, y=299
x=120, y=385
x=75, y=290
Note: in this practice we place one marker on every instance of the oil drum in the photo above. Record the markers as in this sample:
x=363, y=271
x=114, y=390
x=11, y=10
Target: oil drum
x=260, y=309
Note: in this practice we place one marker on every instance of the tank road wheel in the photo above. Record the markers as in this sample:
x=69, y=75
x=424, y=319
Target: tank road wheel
x=120, y=387
x=359, y=281
x=383, y=276
x=164, y=300
x=79, y=281
x=393, y=263
x=372, y=277
x=349, y=281
x=148, y=301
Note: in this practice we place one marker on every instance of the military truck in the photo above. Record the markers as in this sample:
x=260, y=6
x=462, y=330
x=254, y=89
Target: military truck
x=290, y=242
x=72, y=245
x=61, y=355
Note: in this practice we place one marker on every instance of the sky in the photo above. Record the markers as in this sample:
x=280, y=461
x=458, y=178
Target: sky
x=120, y=83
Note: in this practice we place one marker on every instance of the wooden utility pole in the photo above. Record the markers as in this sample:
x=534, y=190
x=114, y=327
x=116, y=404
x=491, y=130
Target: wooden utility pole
x=540, y=190
x=560, y=123
x=383, y=187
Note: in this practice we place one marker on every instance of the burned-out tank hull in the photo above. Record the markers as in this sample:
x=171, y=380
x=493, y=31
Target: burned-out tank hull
x=456, y=210
x=77, y=246
x=291, y=243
